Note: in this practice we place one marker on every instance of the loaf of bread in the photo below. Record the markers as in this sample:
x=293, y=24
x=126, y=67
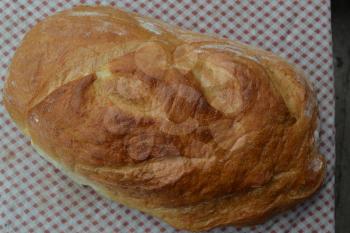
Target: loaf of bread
x=193, y=129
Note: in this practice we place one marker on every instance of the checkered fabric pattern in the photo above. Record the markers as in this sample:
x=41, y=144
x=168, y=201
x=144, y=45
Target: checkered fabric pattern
x=36, y=197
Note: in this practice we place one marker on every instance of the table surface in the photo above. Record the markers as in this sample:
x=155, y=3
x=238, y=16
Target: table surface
x=36, y=197
x=341, y=53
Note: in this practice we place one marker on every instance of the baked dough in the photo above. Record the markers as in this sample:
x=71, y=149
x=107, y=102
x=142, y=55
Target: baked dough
x=193, y=129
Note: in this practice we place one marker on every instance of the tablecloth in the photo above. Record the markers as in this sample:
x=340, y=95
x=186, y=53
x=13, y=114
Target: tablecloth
x=36, y=197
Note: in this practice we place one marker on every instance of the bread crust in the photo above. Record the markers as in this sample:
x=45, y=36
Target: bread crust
x=193, y=129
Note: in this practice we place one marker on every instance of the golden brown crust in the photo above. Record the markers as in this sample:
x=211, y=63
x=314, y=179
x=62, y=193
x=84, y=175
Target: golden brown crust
x=193, y=129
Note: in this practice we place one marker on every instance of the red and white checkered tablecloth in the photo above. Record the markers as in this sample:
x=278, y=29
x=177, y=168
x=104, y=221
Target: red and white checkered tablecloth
x=36, y=197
